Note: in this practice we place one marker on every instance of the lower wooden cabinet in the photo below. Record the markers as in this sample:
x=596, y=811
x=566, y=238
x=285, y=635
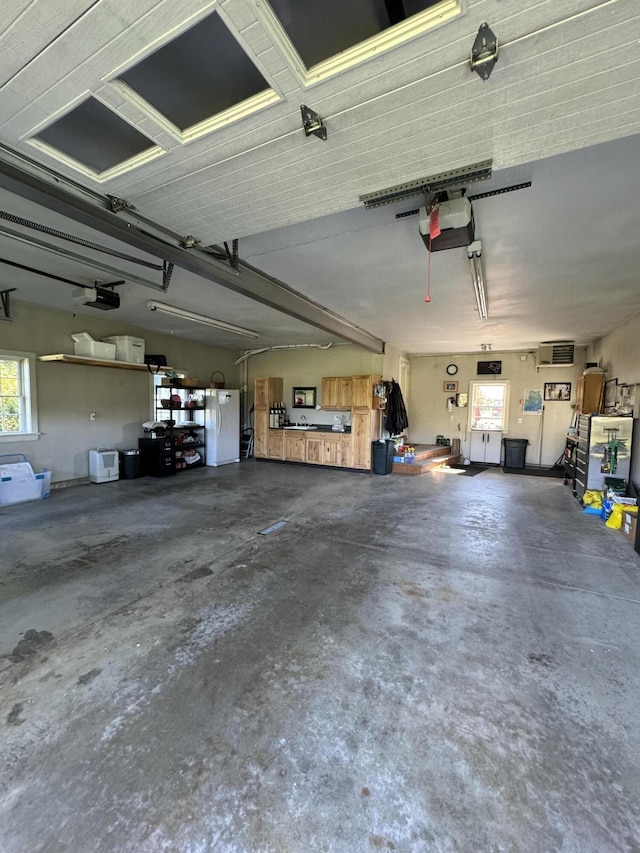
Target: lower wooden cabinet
x=323, y=449
x=275, y=444
x=294, y=446
x=260, y=432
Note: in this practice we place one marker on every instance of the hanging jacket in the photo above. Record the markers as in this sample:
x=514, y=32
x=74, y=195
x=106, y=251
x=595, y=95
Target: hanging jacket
x=396, y=420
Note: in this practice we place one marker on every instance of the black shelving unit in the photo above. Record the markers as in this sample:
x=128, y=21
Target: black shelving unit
x=186, y=408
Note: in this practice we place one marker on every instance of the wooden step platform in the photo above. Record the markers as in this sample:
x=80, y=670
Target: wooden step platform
x=427, y=457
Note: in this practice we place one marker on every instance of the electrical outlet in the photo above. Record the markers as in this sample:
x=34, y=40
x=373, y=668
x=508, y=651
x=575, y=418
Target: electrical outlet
x=92, y=416
x=519, y=420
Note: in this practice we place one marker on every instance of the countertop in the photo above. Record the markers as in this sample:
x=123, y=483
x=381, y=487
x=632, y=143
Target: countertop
x=318, y=428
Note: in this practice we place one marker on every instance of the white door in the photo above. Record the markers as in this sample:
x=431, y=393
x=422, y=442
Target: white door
x=488, y=408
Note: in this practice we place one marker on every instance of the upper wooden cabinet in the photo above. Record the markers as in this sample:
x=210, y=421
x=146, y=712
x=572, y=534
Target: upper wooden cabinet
x=589, y=392
x=267, y=390
x=337, y=392
x=363, y=387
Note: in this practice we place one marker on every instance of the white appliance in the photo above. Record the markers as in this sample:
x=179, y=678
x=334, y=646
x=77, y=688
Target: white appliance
x=222, y=426
x=104, y=465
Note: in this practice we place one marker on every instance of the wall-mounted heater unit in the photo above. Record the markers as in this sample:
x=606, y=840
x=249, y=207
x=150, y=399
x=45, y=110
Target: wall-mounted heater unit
x=555, y=354
x=103, y=465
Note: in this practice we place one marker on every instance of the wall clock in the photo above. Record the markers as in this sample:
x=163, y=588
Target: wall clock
x=452, y=369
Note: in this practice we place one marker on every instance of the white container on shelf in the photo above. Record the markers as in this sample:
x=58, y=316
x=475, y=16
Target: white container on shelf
x=84, y=345
x=127, y=348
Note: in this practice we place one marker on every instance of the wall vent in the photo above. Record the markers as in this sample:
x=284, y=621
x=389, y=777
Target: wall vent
x=555, y=354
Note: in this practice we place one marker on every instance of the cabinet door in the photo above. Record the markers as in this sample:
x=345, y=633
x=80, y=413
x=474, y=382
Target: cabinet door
x=331, y=450
x=363, y=391
x=275, y=444
x=345, y=451
x=345, y=392
x=261, y=429
x=592, y=393
x=313, y=449
x=493, y=447
x=361, y=439
x=260, y=392
x=294, y=446
x=329, y=392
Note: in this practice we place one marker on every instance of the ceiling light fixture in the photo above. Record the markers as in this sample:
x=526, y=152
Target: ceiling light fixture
x=474, y=253
x=200, y=318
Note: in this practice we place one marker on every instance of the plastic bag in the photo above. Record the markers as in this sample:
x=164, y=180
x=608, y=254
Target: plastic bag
x=615, y=519
x=592, y=497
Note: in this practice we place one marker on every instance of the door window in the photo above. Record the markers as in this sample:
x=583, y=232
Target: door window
x=489, y=405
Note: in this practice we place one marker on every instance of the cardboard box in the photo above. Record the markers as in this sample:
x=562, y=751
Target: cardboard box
x=629, y=524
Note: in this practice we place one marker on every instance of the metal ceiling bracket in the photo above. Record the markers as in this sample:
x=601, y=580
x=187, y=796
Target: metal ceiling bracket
x=5, y=304
x=484, y=53
x=232, y=254
x=117, y=205
x=453, y=179
x=189, y=242
x=312, y=123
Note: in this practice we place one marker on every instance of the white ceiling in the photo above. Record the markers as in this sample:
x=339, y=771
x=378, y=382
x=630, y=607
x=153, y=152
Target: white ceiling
x=561, y=109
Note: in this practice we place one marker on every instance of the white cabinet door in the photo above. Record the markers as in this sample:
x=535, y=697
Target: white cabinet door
x=485, y=446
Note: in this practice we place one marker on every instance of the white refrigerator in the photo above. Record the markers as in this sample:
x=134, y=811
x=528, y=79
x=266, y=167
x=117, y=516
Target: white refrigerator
x=222, y=426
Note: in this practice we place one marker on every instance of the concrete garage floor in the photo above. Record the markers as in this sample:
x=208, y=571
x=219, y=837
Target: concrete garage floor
x=435, y=663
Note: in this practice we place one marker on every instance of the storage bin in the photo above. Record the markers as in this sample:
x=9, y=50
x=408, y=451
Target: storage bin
x=127, y=348
x=84, y=345
x=18, y=483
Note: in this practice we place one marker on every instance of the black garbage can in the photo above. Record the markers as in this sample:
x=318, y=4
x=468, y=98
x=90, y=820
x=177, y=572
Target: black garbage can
x=129, y=464
x=382, y=452
x=515, y=450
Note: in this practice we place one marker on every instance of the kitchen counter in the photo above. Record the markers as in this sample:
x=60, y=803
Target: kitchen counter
x=316, y=428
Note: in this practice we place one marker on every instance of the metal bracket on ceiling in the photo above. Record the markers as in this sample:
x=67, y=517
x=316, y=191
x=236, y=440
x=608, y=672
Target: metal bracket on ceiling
x=117, y=205
x=167, y=272
x=189, y=242
x=312, y=123
x=5, y=304
x=484, y=53
x=98, y=283
x=454, y=179
x=232, y=256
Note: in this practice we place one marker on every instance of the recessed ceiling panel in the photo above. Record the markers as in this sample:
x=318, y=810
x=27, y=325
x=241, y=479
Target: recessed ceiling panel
x=197, y=75
x=95, y=136
x=320, y=29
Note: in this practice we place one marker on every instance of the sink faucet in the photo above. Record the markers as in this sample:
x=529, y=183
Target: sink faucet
x=303, y=420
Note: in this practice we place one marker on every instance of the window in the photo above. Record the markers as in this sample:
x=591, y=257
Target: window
x=489, y=405
x=18, y=411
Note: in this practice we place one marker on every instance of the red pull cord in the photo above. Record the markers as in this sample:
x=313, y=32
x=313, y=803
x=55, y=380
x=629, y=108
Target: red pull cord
x=428, y=296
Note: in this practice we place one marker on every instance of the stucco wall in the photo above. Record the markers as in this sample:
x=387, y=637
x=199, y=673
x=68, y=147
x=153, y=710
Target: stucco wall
x=428, y=415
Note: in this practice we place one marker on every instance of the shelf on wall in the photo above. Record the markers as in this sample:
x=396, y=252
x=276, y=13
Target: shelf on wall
x=97, y=362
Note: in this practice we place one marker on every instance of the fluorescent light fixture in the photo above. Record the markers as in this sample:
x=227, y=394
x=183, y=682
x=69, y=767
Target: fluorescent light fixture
x=200, y=318
x=474, y=253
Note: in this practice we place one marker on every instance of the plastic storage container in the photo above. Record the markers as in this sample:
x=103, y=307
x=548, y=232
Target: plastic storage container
x=127, y=348
x=129, y=464
x=18, y=482
x=382, y=453
x=84, y=345
x=515, y=450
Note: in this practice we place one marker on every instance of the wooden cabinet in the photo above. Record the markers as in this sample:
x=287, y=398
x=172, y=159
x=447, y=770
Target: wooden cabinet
x=267, y=390
x=589, y=392
x=365, y=427
x=337, y=392
x=275, y=444
x=363, y=387
x=294, y=446
x=345, y=451
x=323, y=448
x=260, y=432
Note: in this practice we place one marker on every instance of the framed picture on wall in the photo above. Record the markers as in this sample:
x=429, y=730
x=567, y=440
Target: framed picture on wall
x=450, y=387
x=532, y=402
x=557, y=391
x=610, y=394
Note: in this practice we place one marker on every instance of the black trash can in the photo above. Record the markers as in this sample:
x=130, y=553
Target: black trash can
x=129, y=464
x=515, y=450
x=382, y=452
